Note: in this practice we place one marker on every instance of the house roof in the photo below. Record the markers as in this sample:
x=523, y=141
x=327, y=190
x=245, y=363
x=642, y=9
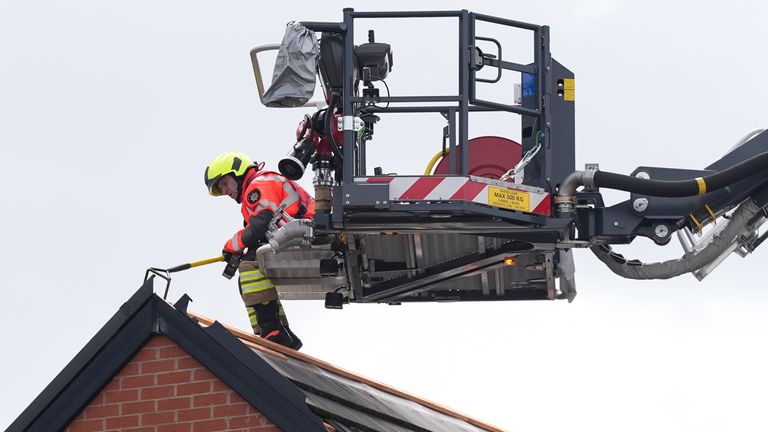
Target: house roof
x=295, y=391
x=338, y=394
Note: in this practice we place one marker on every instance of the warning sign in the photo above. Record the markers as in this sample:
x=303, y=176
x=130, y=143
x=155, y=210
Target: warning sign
x=509, y=199
x=569, y=85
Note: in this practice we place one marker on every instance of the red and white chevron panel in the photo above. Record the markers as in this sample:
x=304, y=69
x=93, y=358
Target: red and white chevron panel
x=493, y=193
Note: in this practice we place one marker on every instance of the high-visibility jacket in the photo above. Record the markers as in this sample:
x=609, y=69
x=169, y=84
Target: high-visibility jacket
x=263, y=193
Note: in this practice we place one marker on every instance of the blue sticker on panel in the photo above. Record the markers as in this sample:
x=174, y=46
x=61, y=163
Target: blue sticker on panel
x=529, y=84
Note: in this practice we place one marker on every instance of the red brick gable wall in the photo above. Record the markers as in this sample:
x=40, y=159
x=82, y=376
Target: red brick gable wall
x=163, y=389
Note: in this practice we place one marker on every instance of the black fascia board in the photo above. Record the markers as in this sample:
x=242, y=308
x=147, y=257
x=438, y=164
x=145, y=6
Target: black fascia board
x=92, y=368
x=242, y=370
x=143, y=316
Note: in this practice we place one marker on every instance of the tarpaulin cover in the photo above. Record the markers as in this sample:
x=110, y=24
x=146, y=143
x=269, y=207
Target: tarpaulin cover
x=293, y=81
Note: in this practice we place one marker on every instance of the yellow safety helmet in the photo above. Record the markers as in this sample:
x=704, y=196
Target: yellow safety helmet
x=233, y=162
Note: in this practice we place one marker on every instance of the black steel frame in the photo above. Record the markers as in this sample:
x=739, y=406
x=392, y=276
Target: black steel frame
x=397, y=289
x=463, y=103
x=365, y=207
x=358, y=207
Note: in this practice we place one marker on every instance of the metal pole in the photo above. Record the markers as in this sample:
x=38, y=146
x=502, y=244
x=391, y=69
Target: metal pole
x=396, y=99
x=452, y=146
x=347, y=104
x=409, y=14
x=464, y=43
x=426, y=109
x=546, y=86
x=472, y=90
x=506, y=22
x=361, y=158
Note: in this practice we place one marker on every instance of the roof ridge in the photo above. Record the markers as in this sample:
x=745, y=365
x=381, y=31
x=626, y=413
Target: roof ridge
x=266, y=346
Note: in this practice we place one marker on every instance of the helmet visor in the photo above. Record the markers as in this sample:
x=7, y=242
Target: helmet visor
x=213, y=184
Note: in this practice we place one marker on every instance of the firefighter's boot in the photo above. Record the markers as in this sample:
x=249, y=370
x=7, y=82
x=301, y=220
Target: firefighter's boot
x=296, y=341
x=272, y=329
x=284, y=319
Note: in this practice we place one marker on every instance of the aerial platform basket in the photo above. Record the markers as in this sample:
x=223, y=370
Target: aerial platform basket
x=494, y=220
x=458, y=232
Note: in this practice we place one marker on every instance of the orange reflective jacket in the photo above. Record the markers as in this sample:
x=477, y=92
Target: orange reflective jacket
x=264, y=192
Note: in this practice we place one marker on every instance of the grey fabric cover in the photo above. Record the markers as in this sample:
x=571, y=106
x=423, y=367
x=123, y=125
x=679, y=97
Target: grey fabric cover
x=293, y=81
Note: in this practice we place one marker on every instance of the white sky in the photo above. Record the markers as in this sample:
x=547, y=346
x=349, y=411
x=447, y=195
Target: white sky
x=109, y=112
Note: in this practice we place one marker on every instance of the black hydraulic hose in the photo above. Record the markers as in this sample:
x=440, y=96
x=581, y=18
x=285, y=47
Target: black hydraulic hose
x=683, y=188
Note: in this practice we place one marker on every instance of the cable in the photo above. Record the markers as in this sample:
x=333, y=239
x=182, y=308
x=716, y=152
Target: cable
x=433, y=161
x=527, y=157
x=388, y=94
x=690, y=261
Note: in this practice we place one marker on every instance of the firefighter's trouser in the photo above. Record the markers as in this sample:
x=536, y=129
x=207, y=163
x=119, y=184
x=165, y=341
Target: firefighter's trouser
x=256, y=288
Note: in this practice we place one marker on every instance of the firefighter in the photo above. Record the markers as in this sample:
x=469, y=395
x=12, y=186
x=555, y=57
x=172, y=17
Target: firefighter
x=261, y=193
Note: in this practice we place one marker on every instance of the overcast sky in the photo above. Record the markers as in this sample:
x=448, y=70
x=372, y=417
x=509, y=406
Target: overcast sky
x=109, y=112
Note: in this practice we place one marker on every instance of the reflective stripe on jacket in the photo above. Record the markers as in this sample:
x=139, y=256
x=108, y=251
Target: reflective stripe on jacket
x=268, y=191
